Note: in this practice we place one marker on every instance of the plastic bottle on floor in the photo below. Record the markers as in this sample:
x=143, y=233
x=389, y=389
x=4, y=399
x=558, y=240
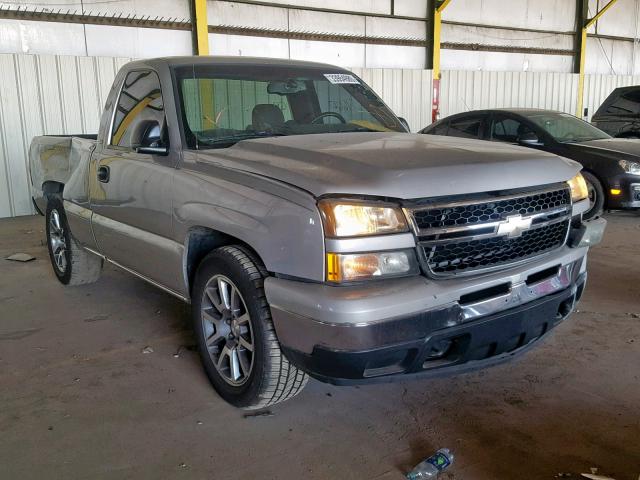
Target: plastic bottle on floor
x=432, y=466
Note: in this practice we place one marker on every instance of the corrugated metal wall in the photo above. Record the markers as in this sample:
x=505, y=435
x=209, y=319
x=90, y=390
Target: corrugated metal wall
x=467, y=90
x=407, y=92
x=43, y=94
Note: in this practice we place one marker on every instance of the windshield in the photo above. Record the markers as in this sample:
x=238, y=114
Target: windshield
x=566, y=128
x=223, y=104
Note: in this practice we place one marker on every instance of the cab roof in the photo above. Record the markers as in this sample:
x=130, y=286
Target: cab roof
x=228, y=60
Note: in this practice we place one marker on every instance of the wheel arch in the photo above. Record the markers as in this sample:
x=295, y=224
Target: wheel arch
x=199, y=242
x=52, y=187
x=48, y=189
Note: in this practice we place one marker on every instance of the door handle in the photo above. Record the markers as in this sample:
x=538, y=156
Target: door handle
x=103, y=173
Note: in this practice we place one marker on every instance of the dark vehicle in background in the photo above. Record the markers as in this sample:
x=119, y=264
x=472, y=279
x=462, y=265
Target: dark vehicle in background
x=611, y=166
x=619, y=114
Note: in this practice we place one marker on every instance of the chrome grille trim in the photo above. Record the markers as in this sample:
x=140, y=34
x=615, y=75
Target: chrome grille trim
x=489, y=199
x=564, y=212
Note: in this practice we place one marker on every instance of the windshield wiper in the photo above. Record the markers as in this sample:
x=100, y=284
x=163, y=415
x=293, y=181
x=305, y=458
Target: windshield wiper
x=582, y=139
x=359, y=129
x=233, y=139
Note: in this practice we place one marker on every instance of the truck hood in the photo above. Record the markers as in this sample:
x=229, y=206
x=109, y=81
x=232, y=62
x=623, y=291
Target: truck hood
x=398, y=165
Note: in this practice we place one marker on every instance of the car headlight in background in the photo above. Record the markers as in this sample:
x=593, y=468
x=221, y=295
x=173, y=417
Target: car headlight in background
x=630, y=167
x=579, y=190
x=352, y=267
x=345, y=218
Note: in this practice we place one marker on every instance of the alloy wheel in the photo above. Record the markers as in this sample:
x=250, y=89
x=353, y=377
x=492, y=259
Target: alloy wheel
x=57, y=241
x=227, y=330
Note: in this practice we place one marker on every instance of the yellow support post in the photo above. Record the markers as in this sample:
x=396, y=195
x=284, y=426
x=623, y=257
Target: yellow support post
x=201, y=27
x=437, y=26
x=583, y=48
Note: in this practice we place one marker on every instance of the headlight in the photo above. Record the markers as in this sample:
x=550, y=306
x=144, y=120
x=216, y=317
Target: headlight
x=579, y=190
x=344, y=218
x=630, y=167
x=351, y=267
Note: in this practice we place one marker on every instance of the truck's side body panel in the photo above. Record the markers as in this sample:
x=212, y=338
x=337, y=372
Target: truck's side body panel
x=132, y=209
x=143, y=216
x=280, y=222
x=132, y=215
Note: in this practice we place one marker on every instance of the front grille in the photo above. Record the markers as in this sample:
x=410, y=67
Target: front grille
x=469, y=235
x=493, y=251
x=487, y=211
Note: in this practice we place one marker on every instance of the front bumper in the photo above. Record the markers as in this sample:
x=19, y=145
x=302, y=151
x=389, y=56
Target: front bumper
x=469, y=346
x=416, y=325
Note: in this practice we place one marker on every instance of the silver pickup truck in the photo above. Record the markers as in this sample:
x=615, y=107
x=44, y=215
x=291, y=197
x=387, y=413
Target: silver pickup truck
x=310, y=232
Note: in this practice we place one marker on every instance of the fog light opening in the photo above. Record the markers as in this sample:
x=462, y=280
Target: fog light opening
x=439, y=349
x=566, y=307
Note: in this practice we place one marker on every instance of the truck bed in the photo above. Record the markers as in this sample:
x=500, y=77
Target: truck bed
x=54, y=158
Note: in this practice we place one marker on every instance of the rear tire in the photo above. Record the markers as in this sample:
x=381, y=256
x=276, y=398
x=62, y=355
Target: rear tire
x=596, y=196
x=235, y=335
x=71, y=263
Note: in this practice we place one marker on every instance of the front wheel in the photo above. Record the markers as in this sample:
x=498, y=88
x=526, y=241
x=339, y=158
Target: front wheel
x=235, y=335
x=596, y=196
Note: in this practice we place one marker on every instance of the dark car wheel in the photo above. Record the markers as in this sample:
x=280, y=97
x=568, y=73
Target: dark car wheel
x=235, y=335
x=596, y=196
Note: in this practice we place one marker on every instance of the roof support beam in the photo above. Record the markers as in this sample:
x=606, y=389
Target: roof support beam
x=583, y=23
x=200, y=27
x=434, y=24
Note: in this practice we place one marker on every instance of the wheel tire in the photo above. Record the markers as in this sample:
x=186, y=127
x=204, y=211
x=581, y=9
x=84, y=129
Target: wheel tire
x=71, y=263
x=271, y=378
x=596, y=196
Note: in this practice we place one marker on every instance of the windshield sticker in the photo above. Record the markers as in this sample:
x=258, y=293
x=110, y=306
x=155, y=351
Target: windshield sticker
x=338, y=78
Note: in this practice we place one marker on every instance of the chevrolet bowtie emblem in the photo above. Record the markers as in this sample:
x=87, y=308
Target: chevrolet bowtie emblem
x=513, y=226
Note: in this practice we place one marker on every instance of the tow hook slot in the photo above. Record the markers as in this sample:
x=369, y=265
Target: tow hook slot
x=485, y=294
x=543, y=275
x=566, y=307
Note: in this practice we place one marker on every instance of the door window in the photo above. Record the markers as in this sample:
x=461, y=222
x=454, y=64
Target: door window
x=139, y=115
x=508, y=130
x=465, y=127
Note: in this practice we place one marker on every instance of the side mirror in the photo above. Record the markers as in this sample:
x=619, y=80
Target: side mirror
x=147, y=138
x=404, y=123
x=529, y=139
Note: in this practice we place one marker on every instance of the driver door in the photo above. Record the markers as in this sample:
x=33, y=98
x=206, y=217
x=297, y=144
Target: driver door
x=131, y=185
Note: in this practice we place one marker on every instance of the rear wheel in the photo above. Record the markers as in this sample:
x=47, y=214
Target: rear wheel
x=596, y=196
x=236, y=339
x=72, y=264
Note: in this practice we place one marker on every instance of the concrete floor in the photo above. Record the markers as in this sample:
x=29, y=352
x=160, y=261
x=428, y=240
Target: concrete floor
x=78, y=398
